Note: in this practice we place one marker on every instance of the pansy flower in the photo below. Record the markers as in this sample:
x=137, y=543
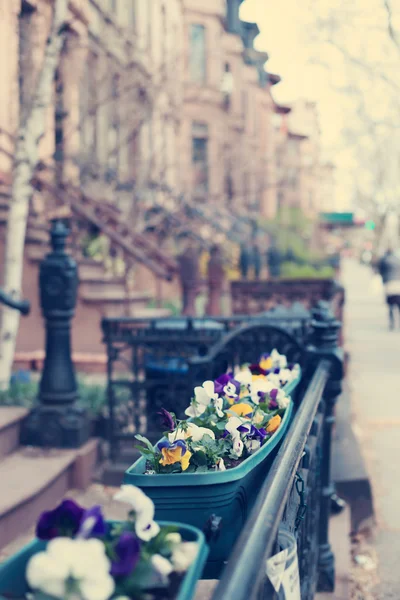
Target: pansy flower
x=203, y=395
x=227, y=386
x=191, y=431
x=273, y=424
x=278, y=360
x=64, y=520
x=259, y=389
x=167, y=419
x=175, y=452
x=235, y=426
x=244, y=377
x=257, y=370
x=143, y=507
x=241, y=409
x=126, y=555
x=266, y=362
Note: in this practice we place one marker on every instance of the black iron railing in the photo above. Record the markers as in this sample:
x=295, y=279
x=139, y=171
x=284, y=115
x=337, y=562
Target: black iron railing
x=149, y=364
x=289, y=500
x=294, y=500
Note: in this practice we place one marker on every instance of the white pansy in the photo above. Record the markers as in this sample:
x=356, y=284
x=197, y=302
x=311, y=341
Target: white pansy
x=184, y=555
x=145, y=526
x=260, y=386
x=233, y=423
x=173, y=538
x=162, y=566
x=279, y=360
x=244, y=377
x=275, y=380
x=282, y=400
x=82, y=561
x=230, y=390
x=252, y=445
x=258, y=418
x=193, y=431
x=221, y=465
x=237, y=446
x=203, y=395
x=218, y=405
x=285, y=375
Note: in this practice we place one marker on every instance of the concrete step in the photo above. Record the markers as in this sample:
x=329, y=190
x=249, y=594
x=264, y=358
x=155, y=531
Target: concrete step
x=152, y=313
x=10, y=420
x=34, y=480
x=84, y=362
x=90, y=269
x=102, y=286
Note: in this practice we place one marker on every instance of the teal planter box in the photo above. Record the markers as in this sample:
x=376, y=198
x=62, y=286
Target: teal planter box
x=193, y=498
x=12, y=572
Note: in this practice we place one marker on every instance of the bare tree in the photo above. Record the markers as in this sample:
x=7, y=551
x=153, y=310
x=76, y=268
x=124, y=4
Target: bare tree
x=30, y=132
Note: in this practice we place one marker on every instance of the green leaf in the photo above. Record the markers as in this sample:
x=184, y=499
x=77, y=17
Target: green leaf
x=145, y=441
x=199, y=458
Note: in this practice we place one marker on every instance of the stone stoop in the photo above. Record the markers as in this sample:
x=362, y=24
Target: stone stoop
x=35, y=479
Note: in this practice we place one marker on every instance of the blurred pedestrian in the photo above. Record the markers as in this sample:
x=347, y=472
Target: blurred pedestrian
x=244, y=261
x=274, y=260
x=389, y=269
x=188, y=262
x=256, y=261
x=216, y=280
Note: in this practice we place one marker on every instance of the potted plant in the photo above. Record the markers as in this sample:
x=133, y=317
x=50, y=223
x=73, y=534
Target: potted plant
x=78, y=555
x=213, y=463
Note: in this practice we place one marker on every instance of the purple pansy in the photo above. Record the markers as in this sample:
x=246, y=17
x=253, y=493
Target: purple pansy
x=257, y=434
x=167, y=419
x=257, y=370
x=93, y=523
x=172, y=445
x=126, y=555
x=226, y=385
x=64, y=520
x=276, y=371
x=273, y=395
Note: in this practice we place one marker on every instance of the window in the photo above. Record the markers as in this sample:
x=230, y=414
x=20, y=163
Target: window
x=132, y=14
x=198, y=57
x=113, y=137
x=200, y=159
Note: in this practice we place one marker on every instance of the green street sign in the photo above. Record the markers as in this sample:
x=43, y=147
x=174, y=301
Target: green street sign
x=370, y=225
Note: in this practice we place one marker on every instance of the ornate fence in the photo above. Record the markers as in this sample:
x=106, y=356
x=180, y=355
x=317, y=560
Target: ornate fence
x=253, y=297
x=294, y=501
x=148, y=365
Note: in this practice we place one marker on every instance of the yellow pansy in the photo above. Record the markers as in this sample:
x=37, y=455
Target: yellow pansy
x=258, y=378
x=266, y=363
x=242, y=409
x=273, y=424
x=174, y=455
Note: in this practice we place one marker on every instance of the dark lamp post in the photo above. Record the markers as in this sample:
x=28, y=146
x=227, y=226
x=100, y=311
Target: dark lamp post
x=57, y=421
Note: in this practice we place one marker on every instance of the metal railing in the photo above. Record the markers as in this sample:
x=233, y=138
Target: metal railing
x=290, y=500
x=150, y=364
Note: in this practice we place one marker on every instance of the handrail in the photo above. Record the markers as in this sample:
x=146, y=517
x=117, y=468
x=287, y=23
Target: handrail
x=158, y=264
x=257, y=540
x=23, y=306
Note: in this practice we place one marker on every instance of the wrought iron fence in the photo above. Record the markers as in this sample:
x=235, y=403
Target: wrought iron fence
x=289, y=501
x=294, y=500
x=150, y=364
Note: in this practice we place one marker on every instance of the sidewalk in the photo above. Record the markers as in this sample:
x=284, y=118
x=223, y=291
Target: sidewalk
x=374, y=377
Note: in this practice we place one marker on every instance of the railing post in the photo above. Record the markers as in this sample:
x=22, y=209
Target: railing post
x=325, y=345
x=57, y=421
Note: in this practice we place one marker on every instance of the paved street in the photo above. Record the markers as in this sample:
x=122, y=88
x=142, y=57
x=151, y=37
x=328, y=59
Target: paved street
x=374, y=379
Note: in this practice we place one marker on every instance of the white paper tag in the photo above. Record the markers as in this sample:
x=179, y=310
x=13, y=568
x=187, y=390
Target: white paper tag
x=276, y=566
x=291, y=581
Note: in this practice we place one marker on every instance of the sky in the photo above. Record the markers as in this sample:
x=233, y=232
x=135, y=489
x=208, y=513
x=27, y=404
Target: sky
x=286, y=34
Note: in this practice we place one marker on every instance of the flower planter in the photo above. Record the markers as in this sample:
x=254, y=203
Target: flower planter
x=193, y=498
x=12, y=571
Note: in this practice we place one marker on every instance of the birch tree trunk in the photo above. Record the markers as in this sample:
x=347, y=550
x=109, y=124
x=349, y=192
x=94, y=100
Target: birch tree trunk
x=30, y=132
